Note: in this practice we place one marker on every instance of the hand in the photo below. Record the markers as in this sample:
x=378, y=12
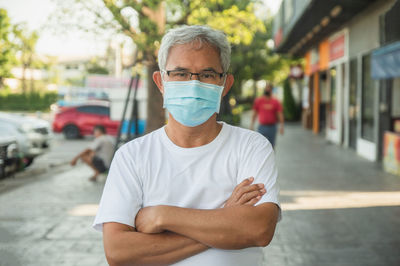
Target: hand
x=281, y=130
x=73, y=162
x=246, y=194
x=148, y=220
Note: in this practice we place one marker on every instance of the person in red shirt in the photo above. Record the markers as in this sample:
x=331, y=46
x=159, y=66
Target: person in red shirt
x=269, y=112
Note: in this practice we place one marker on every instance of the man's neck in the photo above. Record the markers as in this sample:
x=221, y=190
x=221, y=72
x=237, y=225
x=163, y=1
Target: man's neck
x=191, y=137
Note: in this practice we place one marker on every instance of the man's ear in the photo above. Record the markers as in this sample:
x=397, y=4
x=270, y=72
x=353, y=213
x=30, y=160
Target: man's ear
x=158, y=80
x=228, y=84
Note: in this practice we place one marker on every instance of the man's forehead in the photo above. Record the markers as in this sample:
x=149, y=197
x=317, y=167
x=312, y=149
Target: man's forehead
x=195, y=45
x=185, y=56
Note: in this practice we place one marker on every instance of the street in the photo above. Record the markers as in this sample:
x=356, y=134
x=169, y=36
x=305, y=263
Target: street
x=338, y=209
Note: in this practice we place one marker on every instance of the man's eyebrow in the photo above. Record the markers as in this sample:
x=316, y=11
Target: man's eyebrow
x=181, y=68
x=210, y=69
x=187, y=69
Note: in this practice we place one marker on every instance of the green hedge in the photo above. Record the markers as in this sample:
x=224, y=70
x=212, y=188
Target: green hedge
x=34, y=101
x=291, y=110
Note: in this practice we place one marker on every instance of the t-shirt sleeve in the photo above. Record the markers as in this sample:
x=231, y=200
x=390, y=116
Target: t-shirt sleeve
x=122, y=194
x=258, y=161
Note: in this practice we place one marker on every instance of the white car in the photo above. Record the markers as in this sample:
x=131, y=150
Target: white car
x=8, y=155
x=33, y=135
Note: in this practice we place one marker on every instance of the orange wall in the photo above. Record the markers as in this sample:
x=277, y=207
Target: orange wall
x=324, y=55
x=307, y=68
x=316, y=103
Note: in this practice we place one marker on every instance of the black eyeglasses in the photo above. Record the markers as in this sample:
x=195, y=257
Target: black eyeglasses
x=208, y=76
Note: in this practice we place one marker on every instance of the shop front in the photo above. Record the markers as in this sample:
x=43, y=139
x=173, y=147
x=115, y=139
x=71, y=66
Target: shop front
x=338, y=87
x=316, y=71
x=363, y=112
x=385, y=67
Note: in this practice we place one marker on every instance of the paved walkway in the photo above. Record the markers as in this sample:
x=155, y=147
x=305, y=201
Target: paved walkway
x=48, y=221
x=338, y=209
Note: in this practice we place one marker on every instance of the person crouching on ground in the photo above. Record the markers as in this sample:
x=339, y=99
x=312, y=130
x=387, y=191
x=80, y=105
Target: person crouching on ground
x=99, y=154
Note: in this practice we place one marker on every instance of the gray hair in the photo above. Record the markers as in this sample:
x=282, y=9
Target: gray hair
x=189, y=34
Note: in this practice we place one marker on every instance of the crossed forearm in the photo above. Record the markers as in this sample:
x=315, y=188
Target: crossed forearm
x=152, y=245
x=124, y=246
x=236, y=227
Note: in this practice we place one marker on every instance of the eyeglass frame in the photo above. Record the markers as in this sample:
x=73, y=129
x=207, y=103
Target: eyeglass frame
x=222, y=74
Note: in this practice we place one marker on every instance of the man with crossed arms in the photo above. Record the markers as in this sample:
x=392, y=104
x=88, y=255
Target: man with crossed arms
x=196, y=191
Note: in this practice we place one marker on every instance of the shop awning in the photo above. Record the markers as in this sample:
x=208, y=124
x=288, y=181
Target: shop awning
x=385, y=62
x=304, y=28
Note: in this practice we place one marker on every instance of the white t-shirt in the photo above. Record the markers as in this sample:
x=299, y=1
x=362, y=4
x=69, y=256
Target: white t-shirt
x=152, y=170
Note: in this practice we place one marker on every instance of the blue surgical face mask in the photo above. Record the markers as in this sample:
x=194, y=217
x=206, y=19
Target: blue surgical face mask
x=192, y=102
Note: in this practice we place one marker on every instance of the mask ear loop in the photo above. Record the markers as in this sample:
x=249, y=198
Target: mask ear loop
x=162, y=72
x=223, y=87
x=225, y=75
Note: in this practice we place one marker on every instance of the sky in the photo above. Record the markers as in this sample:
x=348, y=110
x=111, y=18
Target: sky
x=35, y=13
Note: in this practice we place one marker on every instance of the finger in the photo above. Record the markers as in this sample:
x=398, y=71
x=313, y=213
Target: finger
x=250, y=195
x=249, y=188
x=253, y=201
x=245, y=182
x=242, y=184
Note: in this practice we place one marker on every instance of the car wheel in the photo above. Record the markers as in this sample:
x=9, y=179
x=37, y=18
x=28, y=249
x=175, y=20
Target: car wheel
x=71, y=132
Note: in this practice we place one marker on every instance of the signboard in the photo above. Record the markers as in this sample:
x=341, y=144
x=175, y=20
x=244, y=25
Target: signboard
x=385, y=62
x=109, y=82
x=117, y=89
x=391, y=153
x=336, y=47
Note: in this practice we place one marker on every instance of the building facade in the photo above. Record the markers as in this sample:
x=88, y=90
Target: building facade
x=352, y=55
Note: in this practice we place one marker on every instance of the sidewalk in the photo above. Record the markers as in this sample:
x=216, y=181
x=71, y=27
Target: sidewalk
x=338, y=209
x=48, y=221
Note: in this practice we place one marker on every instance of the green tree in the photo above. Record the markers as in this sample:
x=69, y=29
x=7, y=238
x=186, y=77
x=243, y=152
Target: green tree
x=94, y=67
x=290, y=108
x=146, y=21
x=7, y=58
x=26, y=43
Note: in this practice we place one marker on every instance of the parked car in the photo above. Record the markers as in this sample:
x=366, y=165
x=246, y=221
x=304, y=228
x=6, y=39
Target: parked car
x=77, y=121
x=8, y=154
x=32, y=134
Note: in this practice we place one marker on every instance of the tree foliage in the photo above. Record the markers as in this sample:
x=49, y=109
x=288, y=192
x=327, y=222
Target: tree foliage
x=290, y=108
x=17, y=48
x=25, y=42
x=7, y=58
x=146, y=21
x=94, y=67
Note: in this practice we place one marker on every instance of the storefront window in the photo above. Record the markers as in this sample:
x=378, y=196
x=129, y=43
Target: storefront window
x=332, y=104
x=367, y=96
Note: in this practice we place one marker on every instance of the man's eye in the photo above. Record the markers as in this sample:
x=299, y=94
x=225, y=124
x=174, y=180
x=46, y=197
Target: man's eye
x=179, y=74
x=208, y=75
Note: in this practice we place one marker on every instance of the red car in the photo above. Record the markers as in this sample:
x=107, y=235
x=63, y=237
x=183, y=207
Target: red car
x=77, y=121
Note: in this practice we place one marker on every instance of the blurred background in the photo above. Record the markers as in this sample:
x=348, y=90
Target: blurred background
x=69, y=65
